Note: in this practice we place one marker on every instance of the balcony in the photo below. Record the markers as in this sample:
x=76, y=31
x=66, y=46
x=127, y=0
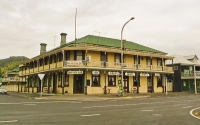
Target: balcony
x=10, y=79
x=97, y=64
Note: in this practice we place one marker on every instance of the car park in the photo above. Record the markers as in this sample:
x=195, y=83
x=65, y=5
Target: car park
x=3, y=91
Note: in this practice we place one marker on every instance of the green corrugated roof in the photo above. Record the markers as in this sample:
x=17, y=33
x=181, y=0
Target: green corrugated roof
x=115, y=43
x=97, y=40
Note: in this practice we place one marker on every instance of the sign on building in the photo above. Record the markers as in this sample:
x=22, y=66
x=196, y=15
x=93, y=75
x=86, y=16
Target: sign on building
x=157, y=74
x=74, y=72
x=144, y=74
x=129, y=74
x=95, y=72
x=70, y=63
x=113, y=73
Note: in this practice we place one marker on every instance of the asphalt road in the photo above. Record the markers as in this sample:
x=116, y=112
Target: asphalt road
x=146, y=111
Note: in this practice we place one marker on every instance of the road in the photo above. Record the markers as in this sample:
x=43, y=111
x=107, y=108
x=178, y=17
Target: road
x=143, y=111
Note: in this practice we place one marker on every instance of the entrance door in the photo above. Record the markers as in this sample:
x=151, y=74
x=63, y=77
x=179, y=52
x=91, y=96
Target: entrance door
x=150, y=84
x=79, y=83
x=126, y=83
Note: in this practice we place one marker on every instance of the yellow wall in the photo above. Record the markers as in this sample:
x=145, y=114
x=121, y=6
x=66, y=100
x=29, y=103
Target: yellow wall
x=129, y=59
x=143, y=60
x=143, y=84
x=110, y=57
x=95, y=55
x=154, y=61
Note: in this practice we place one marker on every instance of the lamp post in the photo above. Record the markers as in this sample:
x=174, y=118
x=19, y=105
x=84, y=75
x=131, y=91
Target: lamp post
x=122, y=61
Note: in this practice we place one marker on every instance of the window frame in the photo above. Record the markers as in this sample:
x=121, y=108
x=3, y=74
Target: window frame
x=112, y=76
x=98, y=80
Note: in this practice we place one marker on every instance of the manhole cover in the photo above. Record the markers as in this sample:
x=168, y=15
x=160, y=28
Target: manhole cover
x=157, y=114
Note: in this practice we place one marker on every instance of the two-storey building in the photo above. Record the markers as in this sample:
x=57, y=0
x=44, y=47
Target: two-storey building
x=92, y=65
x=186, y=73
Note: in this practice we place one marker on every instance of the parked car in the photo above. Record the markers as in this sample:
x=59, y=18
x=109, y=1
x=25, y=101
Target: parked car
x=3, y=91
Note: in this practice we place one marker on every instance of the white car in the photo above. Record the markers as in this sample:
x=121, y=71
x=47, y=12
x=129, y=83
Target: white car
x=3, y=91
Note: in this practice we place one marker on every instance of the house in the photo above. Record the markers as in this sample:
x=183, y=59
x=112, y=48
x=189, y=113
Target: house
x=11, y=80
x=186, y=73
x=93, y=65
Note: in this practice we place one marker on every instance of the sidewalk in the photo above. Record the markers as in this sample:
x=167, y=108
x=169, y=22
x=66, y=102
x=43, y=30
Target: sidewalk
x=76, y=97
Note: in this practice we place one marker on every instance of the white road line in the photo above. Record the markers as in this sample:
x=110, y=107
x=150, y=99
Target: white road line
x=90, y=115
x=191, y=112
x=76, y=102
x=9, y=103
x=8, y=121
x=29, y=104
x=187, y=107
x=147, y=110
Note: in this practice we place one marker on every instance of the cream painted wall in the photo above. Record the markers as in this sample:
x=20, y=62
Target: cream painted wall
x=95, y=55
x=143, y=60
x=110, y=57
x=143, y=84
x=129, y=59
x=154, y=61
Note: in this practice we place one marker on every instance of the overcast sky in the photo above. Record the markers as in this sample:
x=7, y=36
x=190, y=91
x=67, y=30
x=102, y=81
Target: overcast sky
x=171, y=26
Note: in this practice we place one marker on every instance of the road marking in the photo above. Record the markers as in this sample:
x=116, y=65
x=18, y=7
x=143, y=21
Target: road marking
x=193, y=114
x=147, y=110
x=187, y=106
x=90, y=115
x=29, y=104
x=9, y=103
x=8, y=121
x=75, y=102
x=112, y=100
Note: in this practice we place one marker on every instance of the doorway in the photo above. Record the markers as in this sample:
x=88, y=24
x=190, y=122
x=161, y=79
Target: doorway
x=126, y=83
x=78, y=83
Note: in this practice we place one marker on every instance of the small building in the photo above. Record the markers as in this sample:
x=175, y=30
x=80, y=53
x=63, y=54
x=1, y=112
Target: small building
x=93, y=65
x=186, y=73
x=11, y=80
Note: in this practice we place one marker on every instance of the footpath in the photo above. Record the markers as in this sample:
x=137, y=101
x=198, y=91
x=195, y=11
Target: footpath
x=77, y=97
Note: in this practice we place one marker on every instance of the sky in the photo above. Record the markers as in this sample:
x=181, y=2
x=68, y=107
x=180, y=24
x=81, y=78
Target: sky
x=171, y=26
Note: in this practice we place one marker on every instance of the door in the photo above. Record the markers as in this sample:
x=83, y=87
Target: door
x=79, y=83
x=149, y=84
x=126, y=83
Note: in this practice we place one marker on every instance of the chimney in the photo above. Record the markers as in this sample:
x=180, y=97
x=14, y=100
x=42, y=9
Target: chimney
x=63, y=38
x=43, y=48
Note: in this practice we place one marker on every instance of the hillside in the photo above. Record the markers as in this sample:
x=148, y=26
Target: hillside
x=10, y=63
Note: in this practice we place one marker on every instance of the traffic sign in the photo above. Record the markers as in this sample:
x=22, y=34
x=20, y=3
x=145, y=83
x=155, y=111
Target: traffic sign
x=41, y=76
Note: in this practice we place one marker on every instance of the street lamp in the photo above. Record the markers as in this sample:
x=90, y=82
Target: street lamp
x=122, y=61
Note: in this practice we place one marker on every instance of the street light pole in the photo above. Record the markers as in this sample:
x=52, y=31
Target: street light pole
x=122, y=61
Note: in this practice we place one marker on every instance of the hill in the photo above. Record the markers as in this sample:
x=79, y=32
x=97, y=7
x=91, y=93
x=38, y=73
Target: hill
x=11, y=63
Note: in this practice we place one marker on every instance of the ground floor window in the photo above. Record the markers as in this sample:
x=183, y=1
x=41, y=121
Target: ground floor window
x=136, y=81
x=188, y=85
x=44, y=81
x=149, y=80
x=49, y=80
x=66, y=80
x=111, y=80
x=159, y=81
x=59, y=79
x=95, y=80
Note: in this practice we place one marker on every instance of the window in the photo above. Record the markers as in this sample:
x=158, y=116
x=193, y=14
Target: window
x=41, y=62
x=159, y=61
x=60, y=57
x=136, y=81
x=103, y=59
x=79, y=55
x=67, y=54
x=51, y=59
x=136, y=59
x=159, y=81
x=148, y=60
x=45, y=60
x=175, y=67
x=59, y=79
x=49, y=80
x=149, y=83
x=111, y=80
x=45, y=82
x=95, y=80
x=117, y=59
x=66, y=79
